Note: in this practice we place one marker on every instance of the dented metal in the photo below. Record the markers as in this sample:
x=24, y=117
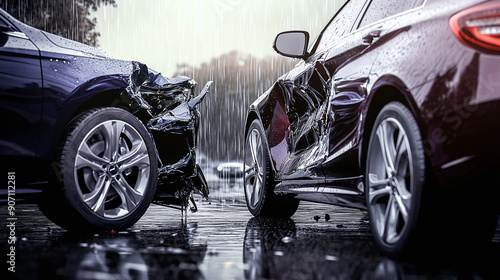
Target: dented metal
x=171, y=106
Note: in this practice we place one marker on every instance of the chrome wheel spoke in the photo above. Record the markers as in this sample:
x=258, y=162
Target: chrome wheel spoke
x=390, y=221
x=384, y=142
x=140, y=159
x=83, y=162
x=129, y=196
x=86, y=158
x=250, y=174
x=253, y=184
x=401, y=149
x=97, y=197
x=256, y=191
x=375, y=183
x=254, y=146
x=402, y=208
x=249, y=170
x=376, y=195
x=112, y=131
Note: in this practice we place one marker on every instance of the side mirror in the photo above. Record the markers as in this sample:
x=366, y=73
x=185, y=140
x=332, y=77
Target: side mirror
x=292, y=44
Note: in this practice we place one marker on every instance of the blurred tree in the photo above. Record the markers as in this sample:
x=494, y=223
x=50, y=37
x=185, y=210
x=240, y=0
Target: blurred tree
x=69, y=19
x=238, y=80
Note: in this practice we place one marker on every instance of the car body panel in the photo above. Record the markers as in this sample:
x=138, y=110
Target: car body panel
x=20, y=94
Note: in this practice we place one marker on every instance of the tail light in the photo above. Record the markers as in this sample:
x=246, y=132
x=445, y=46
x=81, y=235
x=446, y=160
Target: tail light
x=479, y=27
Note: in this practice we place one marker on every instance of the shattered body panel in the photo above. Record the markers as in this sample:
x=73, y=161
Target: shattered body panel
x=174, y=115
x=35, y=112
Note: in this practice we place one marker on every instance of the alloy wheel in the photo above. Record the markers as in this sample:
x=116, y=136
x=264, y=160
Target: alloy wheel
x=254, y=165
x=112, y=169
x=390, y=173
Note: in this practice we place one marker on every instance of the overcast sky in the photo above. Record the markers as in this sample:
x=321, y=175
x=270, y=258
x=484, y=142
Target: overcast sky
x=164, y=33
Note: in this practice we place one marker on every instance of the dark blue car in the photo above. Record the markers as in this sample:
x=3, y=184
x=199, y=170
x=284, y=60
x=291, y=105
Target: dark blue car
x=92, y=140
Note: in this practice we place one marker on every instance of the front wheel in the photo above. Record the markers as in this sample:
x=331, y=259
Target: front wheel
x=395, y=175
x=108, y=170
x=259, y=182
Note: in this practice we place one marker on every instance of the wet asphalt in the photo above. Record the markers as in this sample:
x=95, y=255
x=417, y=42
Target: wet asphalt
x=223, y=241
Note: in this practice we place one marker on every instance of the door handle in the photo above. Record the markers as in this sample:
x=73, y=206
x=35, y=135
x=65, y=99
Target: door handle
x=372, y=37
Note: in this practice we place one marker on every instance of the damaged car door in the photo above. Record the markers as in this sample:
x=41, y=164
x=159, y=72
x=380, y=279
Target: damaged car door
x=308, y=89
x=304, y=93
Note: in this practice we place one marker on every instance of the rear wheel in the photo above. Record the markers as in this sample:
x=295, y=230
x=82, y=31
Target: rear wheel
x=406, y=215
x=395, y=175
x=259, y=182
x=108, y=172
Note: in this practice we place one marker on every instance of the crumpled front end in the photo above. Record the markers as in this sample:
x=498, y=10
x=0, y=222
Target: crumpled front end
x=173, y=120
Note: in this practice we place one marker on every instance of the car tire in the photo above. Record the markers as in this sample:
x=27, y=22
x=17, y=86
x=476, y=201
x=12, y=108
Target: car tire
x=395, y=176
x=107, y=172
x=259, y=180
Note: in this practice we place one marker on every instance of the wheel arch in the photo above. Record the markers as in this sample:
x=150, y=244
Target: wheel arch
x=251, y=116
x=104, y=91
x=264, y=109
x=384, y=91
x=111, y=98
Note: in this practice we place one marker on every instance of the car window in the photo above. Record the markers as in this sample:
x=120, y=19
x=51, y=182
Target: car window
x=342, y=23
x=379, y=9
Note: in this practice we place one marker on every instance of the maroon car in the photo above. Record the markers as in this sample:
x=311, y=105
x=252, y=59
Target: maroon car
x=394, y=108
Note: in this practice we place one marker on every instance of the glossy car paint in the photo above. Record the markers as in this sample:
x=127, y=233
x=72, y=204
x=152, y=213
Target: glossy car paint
x=318, y=117
x=46, y=80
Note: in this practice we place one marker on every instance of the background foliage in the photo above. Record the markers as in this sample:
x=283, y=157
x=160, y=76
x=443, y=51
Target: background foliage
x=69, y=19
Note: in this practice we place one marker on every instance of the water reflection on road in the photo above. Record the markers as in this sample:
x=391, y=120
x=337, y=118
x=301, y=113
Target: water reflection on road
x=223, y=241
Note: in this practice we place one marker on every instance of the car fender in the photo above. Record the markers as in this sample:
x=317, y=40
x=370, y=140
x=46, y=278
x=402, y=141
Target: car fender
x=67, y=87
x=381, y=91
